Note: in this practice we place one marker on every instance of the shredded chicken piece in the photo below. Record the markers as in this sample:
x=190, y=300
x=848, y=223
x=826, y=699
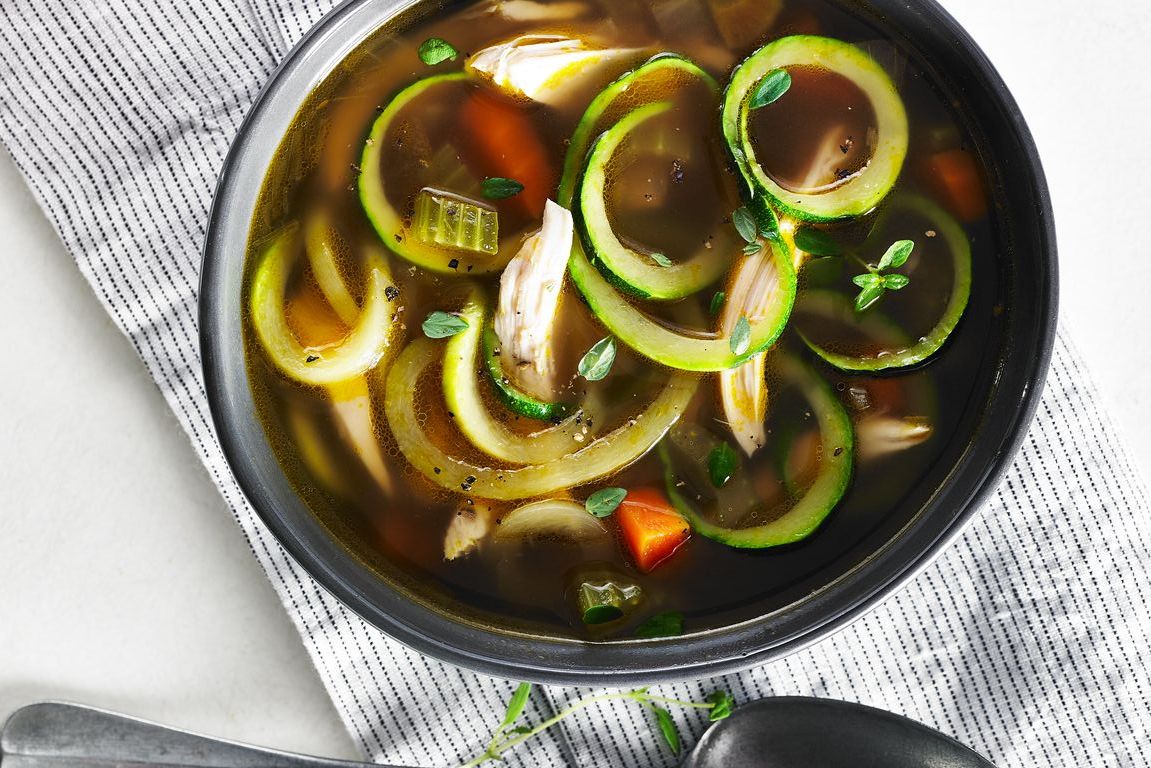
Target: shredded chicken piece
x=543, y=67
x=753, y=291
x=532, y=11
x=352, y=407
x=743, y=394
x=470, y=526
x=743, y=390
x=879, y=435
x=529, y=300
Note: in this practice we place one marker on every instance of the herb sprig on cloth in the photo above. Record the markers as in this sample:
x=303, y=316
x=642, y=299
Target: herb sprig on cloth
x=508, y=735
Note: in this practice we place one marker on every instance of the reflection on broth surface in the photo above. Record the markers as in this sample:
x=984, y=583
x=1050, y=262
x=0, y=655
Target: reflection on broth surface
x=586, y=324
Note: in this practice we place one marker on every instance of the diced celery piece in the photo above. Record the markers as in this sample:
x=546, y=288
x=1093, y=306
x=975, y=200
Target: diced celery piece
x=443, y=218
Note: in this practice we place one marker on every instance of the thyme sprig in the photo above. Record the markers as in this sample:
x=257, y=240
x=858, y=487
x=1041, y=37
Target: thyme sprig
x=878, y=280
x=508, y=735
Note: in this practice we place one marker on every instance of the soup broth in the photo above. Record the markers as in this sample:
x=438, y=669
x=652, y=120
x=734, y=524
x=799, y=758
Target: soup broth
x=578, y=473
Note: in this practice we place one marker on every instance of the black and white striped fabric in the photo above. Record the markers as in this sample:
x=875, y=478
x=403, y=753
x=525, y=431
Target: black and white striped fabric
x=1028, y=639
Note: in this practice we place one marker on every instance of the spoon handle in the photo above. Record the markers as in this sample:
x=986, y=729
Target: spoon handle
x=59, y=735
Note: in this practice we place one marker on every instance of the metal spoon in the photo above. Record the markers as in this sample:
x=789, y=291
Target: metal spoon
x=58, y=735
x=773, y=733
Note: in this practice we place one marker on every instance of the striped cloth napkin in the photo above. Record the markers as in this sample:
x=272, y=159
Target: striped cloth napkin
x=1028, y=639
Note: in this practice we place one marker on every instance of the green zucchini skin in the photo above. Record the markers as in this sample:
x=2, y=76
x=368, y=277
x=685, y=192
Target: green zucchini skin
x=630, y=270
x=837, y=442
x=905, y=354
x=391, y=225
x=618, y=449
x=624, y=94
x=855, y=197
x=510, y=395
x=629, y=324
x=462, y=371
x=657, y=342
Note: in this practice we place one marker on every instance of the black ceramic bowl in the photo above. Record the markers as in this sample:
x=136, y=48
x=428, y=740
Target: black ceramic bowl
x=991, y=428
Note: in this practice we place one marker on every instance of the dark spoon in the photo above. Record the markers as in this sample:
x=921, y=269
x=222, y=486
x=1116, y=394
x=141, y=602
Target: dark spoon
x=794, y=732
x=772, y=733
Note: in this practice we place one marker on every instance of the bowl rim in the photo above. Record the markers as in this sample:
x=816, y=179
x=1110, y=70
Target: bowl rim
x=1022, y=366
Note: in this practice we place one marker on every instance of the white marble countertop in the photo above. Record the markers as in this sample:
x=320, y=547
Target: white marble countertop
x=124, y=582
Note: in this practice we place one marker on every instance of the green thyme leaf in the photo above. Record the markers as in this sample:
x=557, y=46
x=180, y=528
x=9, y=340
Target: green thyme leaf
x=668, y=624
x=770, y=89
x=496, y=188
x=722, y=704
x=816, y=242
x=869, y=295
x=752, y=248
x=896, y=281
x=741, y=336
x=717, y=302
x=667, y=728
x=897, y=255
x=722, y=464
x=605, y=501
x=662, y=260
x=436, y=50
x=441, y=325
x=867, y=279
x=596, y=364
x=516, y=705
x=745, y=224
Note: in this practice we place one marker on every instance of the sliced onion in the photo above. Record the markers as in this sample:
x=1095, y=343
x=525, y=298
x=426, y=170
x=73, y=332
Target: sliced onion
x=602, y=457
x=320, y=245
x=561, y=518
x=360, y=350
x=352, y=407
x=351, y=399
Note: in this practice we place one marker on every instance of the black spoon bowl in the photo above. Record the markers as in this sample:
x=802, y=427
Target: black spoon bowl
x=798, y=732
